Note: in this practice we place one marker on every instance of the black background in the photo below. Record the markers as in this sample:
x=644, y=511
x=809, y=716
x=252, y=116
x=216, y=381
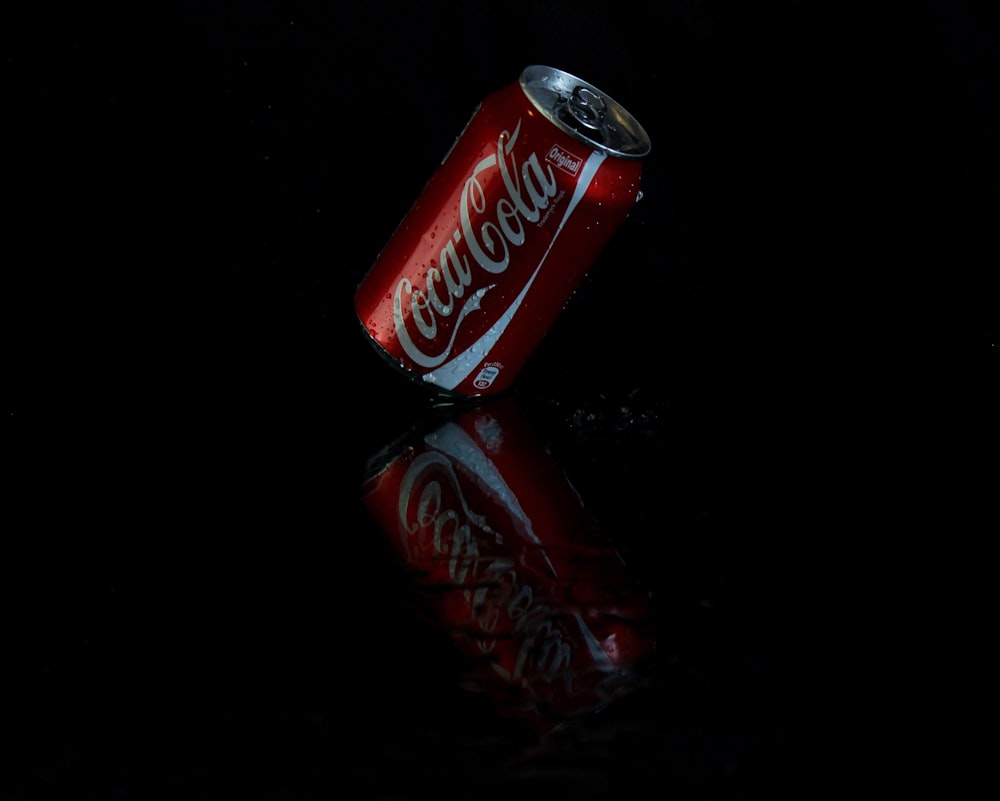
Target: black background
x=774, y=390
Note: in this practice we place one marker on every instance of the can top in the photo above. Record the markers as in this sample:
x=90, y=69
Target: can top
x=585, y=112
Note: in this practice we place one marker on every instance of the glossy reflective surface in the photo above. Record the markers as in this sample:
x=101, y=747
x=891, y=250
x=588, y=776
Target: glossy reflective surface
x=508, y=562
x=782, y=369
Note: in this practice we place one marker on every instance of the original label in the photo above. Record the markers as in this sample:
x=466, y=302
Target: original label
x=564, y=160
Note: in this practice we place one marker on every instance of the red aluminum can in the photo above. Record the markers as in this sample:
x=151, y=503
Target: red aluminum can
x=512, y=564
x=545, y=172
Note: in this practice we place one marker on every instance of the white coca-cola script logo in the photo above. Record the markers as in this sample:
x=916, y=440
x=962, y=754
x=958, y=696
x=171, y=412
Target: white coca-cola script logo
x=485, y=234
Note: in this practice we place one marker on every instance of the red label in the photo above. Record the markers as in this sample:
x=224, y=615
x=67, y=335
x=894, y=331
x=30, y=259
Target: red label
x=493, y=248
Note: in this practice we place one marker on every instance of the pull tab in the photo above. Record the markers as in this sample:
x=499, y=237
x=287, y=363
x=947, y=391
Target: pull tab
x=587, y=107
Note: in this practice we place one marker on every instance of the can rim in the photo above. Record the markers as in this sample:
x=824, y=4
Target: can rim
x=550, y=90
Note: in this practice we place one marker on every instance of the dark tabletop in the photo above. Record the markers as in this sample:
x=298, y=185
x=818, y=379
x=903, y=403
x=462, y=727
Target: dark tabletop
x=773, y=394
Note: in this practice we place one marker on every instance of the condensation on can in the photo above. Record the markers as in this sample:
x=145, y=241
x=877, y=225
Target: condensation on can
x=499, y=238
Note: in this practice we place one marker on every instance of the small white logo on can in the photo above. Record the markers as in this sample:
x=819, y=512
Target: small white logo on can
x=486, y=376
x=564, y=160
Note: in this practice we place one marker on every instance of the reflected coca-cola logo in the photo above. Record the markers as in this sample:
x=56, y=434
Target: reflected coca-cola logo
x=431, y=526
x=488, y=228
x=512, y=565
x=442, y=533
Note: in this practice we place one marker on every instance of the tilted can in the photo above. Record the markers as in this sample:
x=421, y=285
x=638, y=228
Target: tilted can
x=512, y=564
x=500, y=237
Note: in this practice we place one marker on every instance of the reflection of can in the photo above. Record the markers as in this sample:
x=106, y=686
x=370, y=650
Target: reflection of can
x=513, y=565
x=502, y=234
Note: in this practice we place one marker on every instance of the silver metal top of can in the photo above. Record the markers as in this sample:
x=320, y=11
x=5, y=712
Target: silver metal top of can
x=585, y=112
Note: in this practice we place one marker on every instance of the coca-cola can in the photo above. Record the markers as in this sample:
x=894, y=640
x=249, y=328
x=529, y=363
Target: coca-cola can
x=512, y=564
x=500, y=237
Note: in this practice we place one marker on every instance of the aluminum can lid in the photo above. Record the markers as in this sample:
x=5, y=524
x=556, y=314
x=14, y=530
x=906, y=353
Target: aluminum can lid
x=584, y=111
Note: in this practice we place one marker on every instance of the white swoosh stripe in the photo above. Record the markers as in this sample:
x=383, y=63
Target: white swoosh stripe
x=451, y=374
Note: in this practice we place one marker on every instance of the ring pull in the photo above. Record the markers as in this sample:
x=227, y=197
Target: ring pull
x=587, y=107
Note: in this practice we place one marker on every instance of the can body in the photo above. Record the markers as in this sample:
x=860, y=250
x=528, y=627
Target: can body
x=514, y=566
x=502, y=234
